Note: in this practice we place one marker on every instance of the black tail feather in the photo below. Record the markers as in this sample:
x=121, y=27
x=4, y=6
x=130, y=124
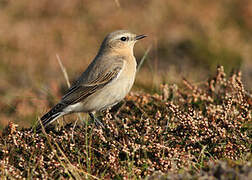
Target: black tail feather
x=51, y=116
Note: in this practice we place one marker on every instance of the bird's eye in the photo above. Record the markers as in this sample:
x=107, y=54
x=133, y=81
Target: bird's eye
x=123, y=38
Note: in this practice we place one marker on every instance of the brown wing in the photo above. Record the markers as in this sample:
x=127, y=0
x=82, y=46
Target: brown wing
x=80, y=91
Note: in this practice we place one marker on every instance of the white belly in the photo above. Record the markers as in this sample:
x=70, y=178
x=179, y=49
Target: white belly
x=109, y=95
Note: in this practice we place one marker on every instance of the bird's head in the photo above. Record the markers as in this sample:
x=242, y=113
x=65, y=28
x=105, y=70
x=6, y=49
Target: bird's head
x=121, y=40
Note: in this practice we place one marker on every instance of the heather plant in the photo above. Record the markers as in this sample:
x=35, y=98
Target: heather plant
x=179, y=132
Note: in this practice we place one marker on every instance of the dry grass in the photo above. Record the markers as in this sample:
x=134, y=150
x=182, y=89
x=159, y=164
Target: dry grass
x=187, y=128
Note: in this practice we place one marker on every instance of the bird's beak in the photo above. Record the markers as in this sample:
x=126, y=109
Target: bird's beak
x=140, y=36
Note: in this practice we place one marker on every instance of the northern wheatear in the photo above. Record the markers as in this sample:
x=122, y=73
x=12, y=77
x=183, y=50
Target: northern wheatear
x=104, y=83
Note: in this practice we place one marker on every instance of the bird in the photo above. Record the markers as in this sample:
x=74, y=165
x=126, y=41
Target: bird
x=105, y=82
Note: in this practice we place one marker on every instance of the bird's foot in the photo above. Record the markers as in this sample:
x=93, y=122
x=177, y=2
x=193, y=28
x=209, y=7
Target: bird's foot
x=98, y=123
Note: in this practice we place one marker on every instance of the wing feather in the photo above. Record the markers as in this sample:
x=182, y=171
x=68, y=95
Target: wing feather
x=80, y=91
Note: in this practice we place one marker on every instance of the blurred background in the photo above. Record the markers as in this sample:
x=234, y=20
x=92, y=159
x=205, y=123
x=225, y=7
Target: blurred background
x=186, y=39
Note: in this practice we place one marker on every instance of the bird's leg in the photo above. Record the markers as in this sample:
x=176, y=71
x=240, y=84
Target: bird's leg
x=96, y=120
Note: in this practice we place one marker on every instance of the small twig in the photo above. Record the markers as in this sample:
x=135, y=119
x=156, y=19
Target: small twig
x=67, y=81
x=117, y=3
x=143, y=58
x=63, y=70
x=74, y=128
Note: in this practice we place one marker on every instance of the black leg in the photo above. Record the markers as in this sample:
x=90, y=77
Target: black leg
x=96, y=120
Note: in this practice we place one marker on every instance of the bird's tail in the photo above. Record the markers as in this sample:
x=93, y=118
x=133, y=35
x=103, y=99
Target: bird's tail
x=51, y=116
